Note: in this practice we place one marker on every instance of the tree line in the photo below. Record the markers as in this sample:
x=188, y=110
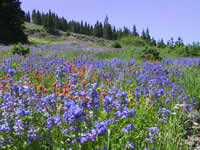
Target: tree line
x=52, y=23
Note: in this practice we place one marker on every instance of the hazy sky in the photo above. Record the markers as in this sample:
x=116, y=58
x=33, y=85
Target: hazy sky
x=164, y=18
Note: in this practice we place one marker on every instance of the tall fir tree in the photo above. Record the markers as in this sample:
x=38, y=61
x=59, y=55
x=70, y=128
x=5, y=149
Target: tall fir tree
x=179, y=42
x=11, y=22
x=100, y=30
x=126, y=31
x=135, y=33
x=34, y=16
x=50, y=26
x=153, y=42
x=27, y=17
x=148, y=37
x=38, y=18
x=107, y=31
x=143, y=35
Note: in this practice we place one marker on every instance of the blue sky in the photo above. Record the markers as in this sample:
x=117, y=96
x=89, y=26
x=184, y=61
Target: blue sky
x=164, y=18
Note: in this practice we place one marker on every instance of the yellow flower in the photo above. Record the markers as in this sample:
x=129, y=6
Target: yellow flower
x=147, y=99
x=98, y=89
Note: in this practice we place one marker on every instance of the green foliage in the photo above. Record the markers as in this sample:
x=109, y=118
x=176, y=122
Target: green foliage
x=20, y=49
x=186, y=51
x=116, y=45
x=132, y=41
x=68, y=34
x=12, y=20
x=150, y=53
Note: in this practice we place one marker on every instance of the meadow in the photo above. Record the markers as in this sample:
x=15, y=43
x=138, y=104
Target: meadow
x=59, y=99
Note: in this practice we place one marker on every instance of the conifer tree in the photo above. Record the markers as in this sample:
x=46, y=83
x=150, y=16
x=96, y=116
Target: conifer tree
x=50, y=26
x=100, y=30
x=34, y=17
x=143, y=36
x=96, y=31
x=148, y=37
x=126, y=31
x=179, y=42
x=38, y=18
x=107, y=31
x=27, y=17
x=11, y=22
x=153, y=42
x=135, y=31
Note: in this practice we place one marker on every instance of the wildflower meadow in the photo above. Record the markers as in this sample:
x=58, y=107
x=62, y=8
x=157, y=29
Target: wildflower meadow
x=50, y=100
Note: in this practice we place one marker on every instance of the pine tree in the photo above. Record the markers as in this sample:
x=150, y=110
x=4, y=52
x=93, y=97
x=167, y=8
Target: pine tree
x=11, y=23
x=82, y=28
x=50, y=26
x=96, y=31
x=107, y=31
x=114, y=34
x=135, y=31
x=179, y=42
x=153, y=42
x=27, y=17
x=34, y=17
x=161, y=44
x=38, y=18
x=126, y=31
x=100, y=30
x=148, y=37
x=143, y=36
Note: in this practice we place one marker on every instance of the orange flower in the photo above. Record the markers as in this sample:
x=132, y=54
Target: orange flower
x=84, y=82
x=57, y=93
x=65, y=91
x=133, y=71
x=103, y=94
x=69, y=85
x=67, y=95
x=45, y=90
x=8, y=76
x=107, y=83
x=31, y=85
x=40, y=87
x=53, y=85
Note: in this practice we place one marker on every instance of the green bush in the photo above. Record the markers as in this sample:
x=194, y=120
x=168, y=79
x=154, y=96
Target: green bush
x=116, y=45
x=132, y=41
x=150, y=53
x=68, y=33
x=187, y=51
x=20, y=49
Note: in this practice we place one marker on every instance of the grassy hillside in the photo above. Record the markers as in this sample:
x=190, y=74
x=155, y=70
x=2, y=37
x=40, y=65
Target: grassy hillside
x=38, y=34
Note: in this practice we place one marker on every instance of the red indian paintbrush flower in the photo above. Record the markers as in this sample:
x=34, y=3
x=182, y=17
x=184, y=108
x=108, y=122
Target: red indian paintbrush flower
x=84, y=82
x=53, y=85
x=40, y=87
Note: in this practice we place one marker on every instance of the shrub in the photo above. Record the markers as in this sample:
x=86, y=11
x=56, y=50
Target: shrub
x=150, y=54
x=116, y=45
x=68, y=33
x=132, y=41
x=20, y=49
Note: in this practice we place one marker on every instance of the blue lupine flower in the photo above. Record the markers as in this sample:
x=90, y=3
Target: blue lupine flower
x=128, y=127
x=5, y=127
